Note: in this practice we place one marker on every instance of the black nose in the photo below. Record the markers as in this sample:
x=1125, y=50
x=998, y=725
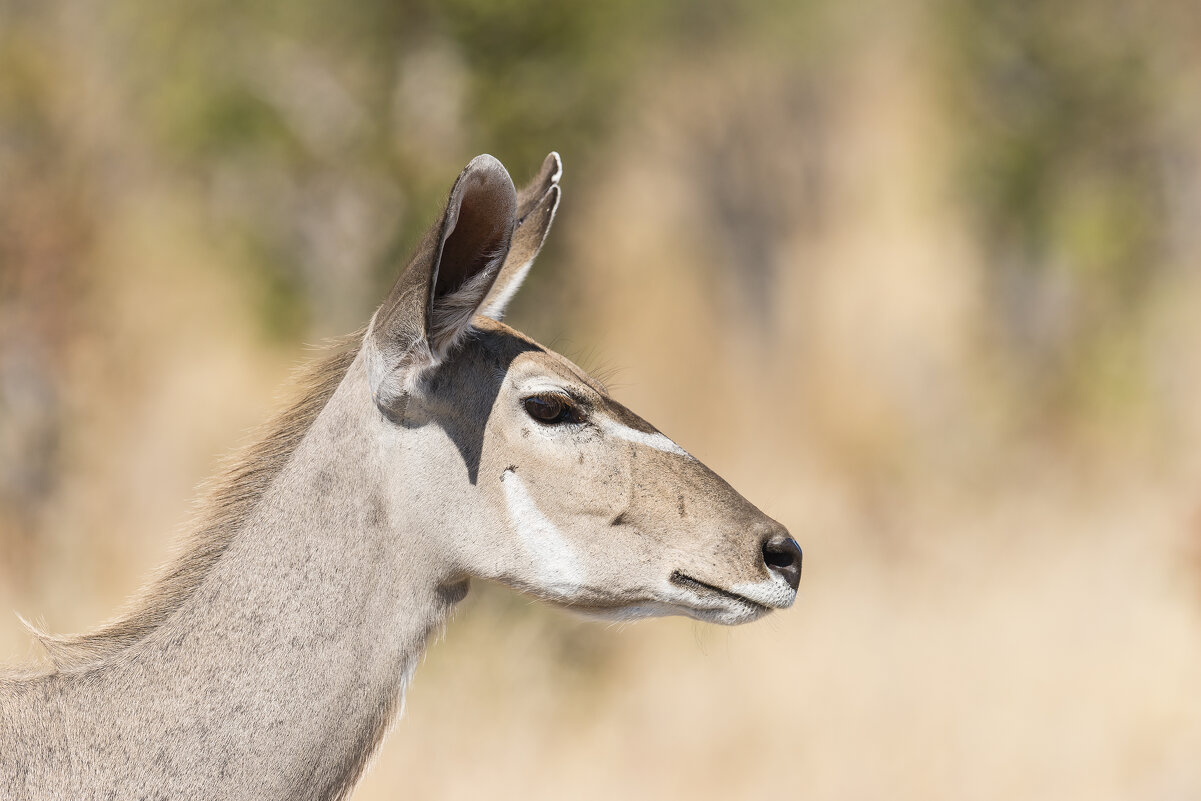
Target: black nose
x=782, y=556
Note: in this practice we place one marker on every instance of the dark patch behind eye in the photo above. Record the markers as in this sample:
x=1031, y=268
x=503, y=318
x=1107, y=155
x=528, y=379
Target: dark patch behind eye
x=488, y=361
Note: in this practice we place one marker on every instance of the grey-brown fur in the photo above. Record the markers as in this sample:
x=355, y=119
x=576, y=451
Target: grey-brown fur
x=230, y=497
x=268, y=659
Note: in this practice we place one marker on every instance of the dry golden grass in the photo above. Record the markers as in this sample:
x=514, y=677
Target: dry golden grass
x=1042, y=655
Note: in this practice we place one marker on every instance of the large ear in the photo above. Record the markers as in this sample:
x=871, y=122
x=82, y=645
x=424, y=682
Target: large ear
x=536, y=207
x=430, y=308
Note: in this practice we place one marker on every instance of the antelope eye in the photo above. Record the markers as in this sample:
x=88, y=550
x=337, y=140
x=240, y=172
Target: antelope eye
x=552, y=409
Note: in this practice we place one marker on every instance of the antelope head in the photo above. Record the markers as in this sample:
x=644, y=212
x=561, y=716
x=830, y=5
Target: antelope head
x=538, y=477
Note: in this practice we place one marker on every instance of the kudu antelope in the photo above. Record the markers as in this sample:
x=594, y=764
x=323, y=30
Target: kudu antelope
x=435, y=446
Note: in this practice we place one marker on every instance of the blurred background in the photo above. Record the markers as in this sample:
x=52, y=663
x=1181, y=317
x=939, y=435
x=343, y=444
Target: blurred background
x=921, y=278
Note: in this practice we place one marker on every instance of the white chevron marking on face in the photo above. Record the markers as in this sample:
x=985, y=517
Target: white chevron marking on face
x=541, y=539
x=656, y=440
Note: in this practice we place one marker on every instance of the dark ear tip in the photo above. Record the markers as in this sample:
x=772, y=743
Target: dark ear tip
x=485, y=163
x=488, y=169
x=485, y=177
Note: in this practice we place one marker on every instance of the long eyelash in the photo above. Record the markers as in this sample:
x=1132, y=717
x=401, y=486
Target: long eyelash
x=565, y=397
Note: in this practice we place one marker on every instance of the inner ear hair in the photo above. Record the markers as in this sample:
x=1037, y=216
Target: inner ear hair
x=450, y=314
x=431, y=305
x=479, y=233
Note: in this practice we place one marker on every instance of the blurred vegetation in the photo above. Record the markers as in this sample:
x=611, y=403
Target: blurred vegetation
x=306, y=105
x=302, y=146
x=922, y=277
x=1065, y=159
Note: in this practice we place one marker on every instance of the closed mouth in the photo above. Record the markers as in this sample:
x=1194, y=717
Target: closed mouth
x=687, y=581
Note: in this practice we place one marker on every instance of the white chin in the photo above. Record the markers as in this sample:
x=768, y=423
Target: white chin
x=728, y=613
x=635, y=611
x=731, y=613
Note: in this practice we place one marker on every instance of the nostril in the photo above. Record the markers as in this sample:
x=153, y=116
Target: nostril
x=775, y=558
x=782, y=556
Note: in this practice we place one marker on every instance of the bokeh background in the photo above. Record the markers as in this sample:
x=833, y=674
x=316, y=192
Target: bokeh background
x=922, y=278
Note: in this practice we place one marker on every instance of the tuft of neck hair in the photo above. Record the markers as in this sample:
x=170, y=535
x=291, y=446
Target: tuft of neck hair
x=226, y=500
